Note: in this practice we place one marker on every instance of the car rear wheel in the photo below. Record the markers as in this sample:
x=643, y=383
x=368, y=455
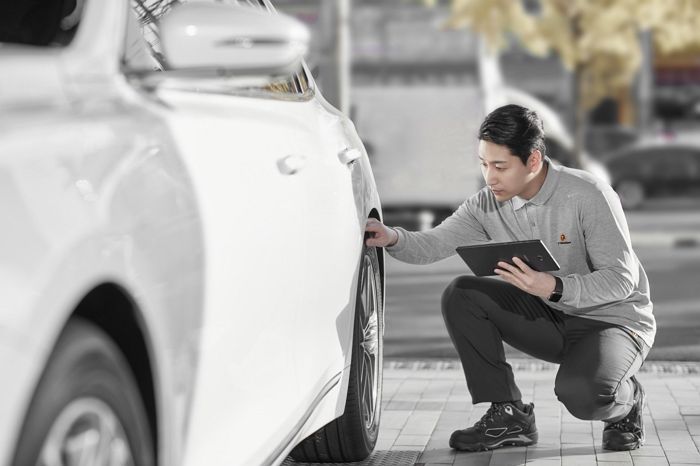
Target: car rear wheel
x=352, y=436
x=631, y=193
x=86, y=408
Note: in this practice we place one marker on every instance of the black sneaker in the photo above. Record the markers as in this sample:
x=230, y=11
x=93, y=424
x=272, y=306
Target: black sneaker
x=503, y=424
x=627, y=433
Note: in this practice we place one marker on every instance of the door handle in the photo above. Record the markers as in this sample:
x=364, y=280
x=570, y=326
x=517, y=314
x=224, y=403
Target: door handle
x=349, y=155
x=291, y=164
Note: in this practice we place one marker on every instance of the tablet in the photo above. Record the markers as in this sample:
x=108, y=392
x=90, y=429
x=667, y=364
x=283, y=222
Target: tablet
x=482, y=258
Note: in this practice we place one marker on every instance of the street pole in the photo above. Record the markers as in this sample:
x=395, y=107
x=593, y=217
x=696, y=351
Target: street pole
x=344, y=56
x=335, y=59
x=645, y=83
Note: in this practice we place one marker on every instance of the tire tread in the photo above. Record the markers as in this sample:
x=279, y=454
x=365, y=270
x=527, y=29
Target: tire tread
x=338, y=441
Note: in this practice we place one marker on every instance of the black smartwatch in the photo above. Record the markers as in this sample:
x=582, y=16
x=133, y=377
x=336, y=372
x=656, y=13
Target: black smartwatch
x=558, y=290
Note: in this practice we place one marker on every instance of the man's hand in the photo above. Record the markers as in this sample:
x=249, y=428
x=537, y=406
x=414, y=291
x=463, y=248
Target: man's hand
x=379, y=234
x=530, y=281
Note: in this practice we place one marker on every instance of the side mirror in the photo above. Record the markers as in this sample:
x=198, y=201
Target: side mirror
x=224, y=37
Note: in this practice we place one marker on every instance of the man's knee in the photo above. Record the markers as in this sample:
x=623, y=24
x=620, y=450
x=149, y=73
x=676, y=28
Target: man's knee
x=583, y=397
x=453, y=295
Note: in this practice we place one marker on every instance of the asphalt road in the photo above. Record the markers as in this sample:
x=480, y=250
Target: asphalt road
x=667, y=241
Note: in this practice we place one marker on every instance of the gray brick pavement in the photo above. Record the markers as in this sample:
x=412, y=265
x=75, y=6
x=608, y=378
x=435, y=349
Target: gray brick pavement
x=423, y=402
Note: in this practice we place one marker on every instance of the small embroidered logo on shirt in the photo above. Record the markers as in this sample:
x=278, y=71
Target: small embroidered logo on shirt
x=563, y=239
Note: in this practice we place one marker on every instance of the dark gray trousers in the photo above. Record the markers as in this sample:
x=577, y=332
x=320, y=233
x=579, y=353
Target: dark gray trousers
x=596, y=358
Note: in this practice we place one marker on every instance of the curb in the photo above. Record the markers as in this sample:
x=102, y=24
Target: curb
x=531, y=365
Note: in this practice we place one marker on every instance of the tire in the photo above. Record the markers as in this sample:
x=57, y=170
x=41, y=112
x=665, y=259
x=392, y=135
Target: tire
x=631, y=193
x=86, y=403
x=352, y=436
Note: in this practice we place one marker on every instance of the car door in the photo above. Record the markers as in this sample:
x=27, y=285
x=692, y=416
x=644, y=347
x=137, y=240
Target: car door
x=242, y=148
x=334, y=222
x=241, y=156
x=333, y=219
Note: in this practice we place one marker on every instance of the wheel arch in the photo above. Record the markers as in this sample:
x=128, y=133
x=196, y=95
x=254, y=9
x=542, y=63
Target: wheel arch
x=110, y=307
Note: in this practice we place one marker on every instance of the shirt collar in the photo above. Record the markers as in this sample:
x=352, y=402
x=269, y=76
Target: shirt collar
x=546, y=190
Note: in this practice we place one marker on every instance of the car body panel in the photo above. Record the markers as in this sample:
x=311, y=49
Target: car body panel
x=98, y=228
x=660, y=167
x=176, y=197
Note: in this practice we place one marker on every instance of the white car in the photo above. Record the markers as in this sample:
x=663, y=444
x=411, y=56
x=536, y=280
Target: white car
x=183, y=275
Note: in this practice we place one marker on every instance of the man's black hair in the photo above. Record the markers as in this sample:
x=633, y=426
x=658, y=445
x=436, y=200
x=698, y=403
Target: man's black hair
x=518, y=128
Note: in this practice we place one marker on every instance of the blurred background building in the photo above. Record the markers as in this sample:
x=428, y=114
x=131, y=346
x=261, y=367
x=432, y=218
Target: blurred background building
x=417, y=91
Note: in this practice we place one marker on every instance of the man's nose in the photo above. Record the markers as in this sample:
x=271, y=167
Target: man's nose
x=490, y=177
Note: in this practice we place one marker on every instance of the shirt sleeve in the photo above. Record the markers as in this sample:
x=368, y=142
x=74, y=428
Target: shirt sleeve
x=614, y=266
x=424, y=247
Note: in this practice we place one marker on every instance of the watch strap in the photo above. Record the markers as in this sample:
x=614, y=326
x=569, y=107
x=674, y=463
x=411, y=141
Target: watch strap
x=558, y=290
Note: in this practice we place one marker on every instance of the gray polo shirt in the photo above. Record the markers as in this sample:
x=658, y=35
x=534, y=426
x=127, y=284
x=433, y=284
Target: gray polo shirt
x=580, y=220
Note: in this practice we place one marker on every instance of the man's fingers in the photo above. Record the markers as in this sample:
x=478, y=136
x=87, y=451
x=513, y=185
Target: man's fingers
x=375, y=242
x=506, y=266
x=374, y=225
x=521, y=264
x=507, y=276
x=511, y=278
x=505, y=273
x=378, y=233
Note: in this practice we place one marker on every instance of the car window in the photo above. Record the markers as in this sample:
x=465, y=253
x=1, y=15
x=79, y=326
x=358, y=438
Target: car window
x=653, y=157
x=684, y=163
x=49, y=23
x=148, y=13
x=644, y=162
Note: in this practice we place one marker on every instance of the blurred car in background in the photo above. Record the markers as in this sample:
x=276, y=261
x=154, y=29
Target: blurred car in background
x=653, y=169
x=183, y=270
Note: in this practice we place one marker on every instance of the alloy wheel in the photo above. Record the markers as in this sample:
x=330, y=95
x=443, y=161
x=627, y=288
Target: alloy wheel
x=86, y=432
x=369, y=343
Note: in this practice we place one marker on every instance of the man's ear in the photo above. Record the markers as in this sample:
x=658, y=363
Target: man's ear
x=534, y=160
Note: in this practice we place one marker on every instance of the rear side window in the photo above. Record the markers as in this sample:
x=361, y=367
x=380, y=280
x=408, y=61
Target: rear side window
x=43, y=23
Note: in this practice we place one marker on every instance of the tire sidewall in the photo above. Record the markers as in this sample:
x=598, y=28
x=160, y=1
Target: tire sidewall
x=369, y=435
x=85, y=363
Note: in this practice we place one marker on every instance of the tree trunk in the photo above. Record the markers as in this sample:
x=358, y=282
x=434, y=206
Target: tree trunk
x=580, y=116
x=645, y=84
x=579, y=95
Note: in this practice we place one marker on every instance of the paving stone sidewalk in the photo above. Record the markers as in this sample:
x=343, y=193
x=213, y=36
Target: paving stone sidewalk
x=425, y=401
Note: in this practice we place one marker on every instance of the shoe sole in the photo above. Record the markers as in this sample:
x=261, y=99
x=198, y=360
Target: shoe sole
x=521, y=440
x=625, y=447
x=638, y=443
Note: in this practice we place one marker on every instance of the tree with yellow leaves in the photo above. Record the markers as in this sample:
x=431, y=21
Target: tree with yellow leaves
x=597, y=40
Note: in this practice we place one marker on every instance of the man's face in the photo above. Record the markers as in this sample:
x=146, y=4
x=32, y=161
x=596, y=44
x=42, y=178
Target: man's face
x=504, y=173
